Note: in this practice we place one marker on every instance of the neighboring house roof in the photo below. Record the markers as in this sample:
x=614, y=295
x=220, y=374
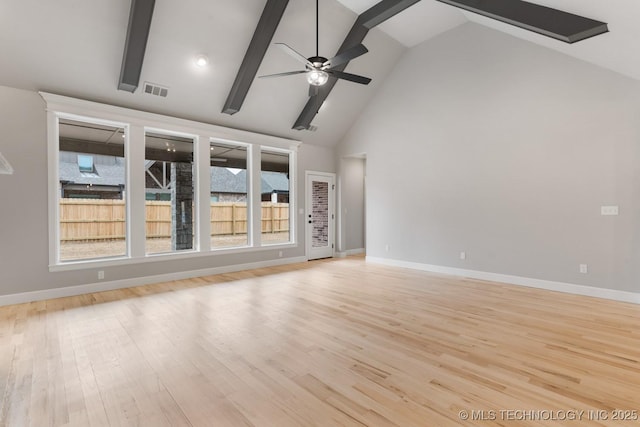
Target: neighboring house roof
x=222, y=179
x=106, y=174
x=274, y=181
x=225, y=181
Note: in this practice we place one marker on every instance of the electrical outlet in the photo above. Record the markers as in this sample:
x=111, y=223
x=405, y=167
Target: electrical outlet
x=463, y=255
x=279, y=254
x=100, y=274
x=583, y=269
x=386, y=248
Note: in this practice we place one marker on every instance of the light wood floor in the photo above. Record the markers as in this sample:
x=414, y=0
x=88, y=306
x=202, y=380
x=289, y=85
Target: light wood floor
x=327, y=343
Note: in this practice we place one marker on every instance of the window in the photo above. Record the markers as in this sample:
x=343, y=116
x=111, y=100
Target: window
x=128, y=186
x=275, y=189
x=85, y=164
x=169, y=197
x=229, y=182
x=91, y=183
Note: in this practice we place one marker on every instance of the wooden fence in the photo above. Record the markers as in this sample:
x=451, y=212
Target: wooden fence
x=86, y=219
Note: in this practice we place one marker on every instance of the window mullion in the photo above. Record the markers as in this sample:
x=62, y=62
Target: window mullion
x=136, y=221
x=255, y=197
x=203, y=189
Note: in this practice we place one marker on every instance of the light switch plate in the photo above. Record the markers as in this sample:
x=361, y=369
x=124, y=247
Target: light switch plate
x=608, y=210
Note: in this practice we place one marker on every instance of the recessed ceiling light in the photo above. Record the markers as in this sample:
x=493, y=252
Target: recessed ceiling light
x=202, y=61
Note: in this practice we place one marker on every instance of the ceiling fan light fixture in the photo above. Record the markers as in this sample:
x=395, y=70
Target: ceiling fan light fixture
x=317, y=77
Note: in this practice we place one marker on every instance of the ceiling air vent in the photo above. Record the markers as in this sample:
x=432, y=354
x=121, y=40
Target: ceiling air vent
x=312, y=128
x=154, y=89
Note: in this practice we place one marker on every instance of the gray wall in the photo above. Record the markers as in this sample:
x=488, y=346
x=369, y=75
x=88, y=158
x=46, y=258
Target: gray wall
x=484, y=143
x=352, y=215
x=23, y=207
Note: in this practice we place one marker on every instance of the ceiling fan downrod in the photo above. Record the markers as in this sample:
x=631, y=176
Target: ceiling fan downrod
x=318, y=68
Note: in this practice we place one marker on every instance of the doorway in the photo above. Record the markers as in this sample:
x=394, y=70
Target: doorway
x=352, y=220
x=320, y=214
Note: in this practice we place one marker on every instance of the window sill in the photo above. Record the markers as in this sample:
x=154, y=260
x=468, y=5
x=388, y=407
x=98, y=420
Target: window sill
x=113, y=262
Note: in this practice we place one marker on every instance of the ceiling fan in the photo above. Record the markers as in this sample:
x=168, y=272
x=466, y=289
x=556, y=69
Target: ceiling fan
x=318, y=68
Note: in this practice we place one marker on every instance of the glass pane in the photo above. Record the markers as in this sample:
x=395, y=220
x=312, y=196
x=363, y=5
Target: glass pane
x=274, y=174
x=320, y=214
x=169, y=174
x=85, y=163
x=91, y=169
x=228, y=195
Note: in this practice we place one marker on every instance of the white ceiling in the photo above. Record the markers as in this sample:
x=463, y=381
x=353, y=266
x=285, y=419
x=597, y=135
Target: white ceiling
x=74, y=48
x=418, y=23
x=616, y=50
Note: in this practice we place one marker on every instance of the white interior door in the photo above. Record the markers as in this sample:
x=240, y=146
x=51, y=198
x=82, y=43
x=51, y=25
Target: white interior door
x=320, y=214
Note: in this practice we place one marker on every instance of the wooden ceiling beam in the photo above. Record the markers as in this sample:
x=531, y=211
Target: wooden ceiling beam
x=136, y=44
x=262, y=36
x=547, y=21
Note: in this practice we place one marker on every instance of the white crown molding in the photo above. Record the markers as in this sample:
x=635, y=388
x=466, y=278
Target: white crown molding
x=84, y=108
x=69, y=291
x=569, y=288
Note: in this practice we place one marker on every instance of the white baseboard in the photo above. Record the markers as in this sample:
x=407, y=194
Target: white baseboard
x=355, y=251
x=349, y=252
x=137, y=281
x=569, y=288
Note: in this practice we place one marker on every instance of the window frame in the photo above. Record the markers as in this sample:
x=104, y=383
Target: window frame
x=250, y=150
x=54, y=186
x=196, y=185
x=136, y=124
x=292, y=199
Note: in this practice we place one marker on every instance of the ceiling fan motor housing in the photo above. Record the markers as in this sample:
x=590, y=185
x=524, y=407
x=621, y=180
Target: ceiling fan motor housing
x=317, y=61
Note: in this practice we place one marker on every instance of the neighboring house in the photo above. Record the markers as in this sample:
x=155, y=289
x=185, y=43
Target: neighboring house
x=228, y=185
x=102, y=177
x=86, y=176
x=275, y=187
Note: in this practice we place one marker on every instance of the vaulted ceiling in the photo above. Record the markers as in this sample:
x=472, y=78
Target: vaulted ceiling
x=616, y=50
x=75, y=48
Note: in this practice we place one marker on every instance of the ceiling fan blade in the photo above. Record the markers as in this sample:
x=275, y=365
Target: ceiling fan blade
x=348, y=76
x=294, y=54
x=288, y=73
x=345, y=56
x=314, y=90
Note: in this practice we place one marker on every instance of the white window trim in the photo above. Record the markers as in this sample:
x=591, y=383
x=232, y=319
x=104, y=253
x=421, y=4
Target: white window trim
x=197, y=185
x=136, y=123
x=292, y=191
x=53, y=121
x=250, y=204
